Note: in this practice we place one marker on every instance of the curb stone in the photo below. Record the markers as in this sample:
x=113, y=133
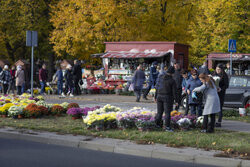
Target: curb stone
x=160, y=151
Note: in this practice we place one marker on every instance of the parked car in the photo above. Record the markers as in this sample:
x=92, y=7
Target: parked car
x=237, y=94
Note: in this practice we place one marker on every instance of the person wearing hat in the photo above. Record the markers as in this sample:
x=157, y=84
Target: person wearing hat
x=152, y=78
x=5, y=78
x=165, y=97
x=69, y=80
x=223, y=85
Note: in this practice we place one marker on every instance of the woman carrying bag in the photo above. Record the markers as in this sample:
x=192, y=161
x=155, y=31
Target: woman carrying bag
x=212, y=102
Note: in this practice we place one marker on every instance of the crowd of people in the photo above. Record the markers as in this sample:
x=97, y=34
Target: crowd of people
x=170, y=84
x=198, y=85
x=14, y=79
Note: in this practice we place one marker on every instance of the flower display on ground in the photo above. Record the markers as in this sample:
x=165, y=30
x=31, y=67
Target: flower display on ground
x=32, y=110
x=4, y=109
x=72, y=105
x=57, y=110
x=127, y=119
x=184, y=123
x=15, y=111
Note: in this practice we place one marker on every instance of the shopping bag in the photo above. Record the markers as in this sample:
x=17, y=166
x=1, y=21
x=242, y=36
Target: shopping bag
x=131, y=87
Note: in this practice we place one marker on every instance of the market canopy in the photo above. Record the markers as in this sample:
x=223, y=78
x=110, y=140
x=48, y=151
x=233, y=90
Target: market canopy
x=130, y=55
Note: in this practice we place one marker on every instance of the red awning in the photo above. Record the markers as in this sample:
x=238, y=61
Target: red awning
x=130, y=55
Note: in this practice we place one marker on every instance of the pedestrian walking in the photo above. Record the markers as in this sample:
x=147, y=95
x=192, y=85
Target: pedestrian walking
x=20, y=79
x=223, y=85
x=165, y=97
x=178, y=80
x=152, y=79
x=12, y=81
x=138, y=81
x=59, y=80
x=77, y=76
x=43, y=76
x=192, y=83
x=212, y=102
x=69, y=80
x=5, y=78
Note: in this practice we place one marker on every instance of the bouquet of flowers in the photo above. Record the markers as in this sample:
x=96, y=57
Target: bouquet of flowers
x=199, y=121
x=217, y=80
x=184, y=123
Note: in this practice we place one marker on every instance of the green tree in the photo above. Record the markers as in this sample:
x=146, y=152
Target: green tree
x=17, y=16
x=217, y=21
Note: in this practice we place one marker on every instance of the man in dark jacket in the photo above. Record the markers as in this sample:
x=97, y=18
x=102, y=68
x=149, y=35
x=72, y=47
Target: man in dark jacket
x=203, y=69
x=223, y=85
x=77, y=76
x=178, y=80
x=165, y=97
x=152, y=78
x=43, y=75
x=138, y=81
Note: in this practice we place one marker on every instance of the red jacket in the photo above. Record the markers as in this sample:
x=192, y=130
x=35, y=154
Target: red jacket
x=42, y=75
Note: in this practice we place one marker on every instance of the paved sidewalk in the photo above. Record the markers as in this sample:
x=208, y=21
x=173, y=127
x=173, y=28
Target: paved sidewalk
x=236, y=126
x=195, y=156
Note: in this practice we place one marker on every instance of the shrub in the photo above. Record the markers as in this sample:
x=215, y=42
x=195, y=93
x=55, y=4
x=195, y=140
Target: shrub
x=32, y=110
x=57, y=110
x=230, y=113
x=73, y=105
x=43, y=110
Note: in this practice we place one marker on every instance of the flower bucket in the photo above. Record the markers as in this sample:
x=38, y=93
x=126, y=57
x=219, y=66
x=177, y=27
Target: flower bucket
x=242, y=112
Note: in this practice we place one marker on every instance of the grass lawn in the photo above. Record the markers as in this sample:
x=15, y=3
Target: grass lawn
x=242, y=119
x=220, y=140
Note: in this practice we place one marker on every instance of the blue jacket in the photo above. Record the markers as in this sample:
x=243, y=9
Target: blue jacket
x=184, y=81
x=191, y=84
x=153, y=74
x=59, y=75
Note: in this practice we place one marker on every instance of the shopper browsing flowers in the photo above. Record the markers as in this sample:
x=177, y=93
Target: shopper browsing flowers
x=212, y=101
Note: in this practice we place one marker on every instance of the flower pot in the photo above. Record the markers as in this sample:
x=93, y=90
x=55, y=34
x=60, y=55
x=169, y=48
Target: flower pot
x=75, y=117
x=19, y=116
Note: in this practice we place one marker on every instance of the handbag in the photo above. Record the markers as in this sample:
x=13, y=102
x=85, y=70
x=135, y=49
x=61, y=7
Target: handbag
x=131, y=87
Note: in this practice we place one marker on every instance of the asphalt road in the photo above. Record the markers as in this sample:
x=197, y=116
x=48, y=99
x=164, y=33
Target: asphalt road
x=19, y=153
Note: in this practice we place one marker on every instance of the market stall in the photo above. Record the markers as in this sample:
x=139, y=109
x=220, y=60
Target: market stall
x=241, y=61
x=122, y=58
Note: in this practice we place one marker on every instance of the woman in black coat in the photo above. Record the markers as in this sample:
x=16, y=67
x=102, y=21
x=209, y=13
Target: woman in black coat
x=69, y=80
x=223, y=85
